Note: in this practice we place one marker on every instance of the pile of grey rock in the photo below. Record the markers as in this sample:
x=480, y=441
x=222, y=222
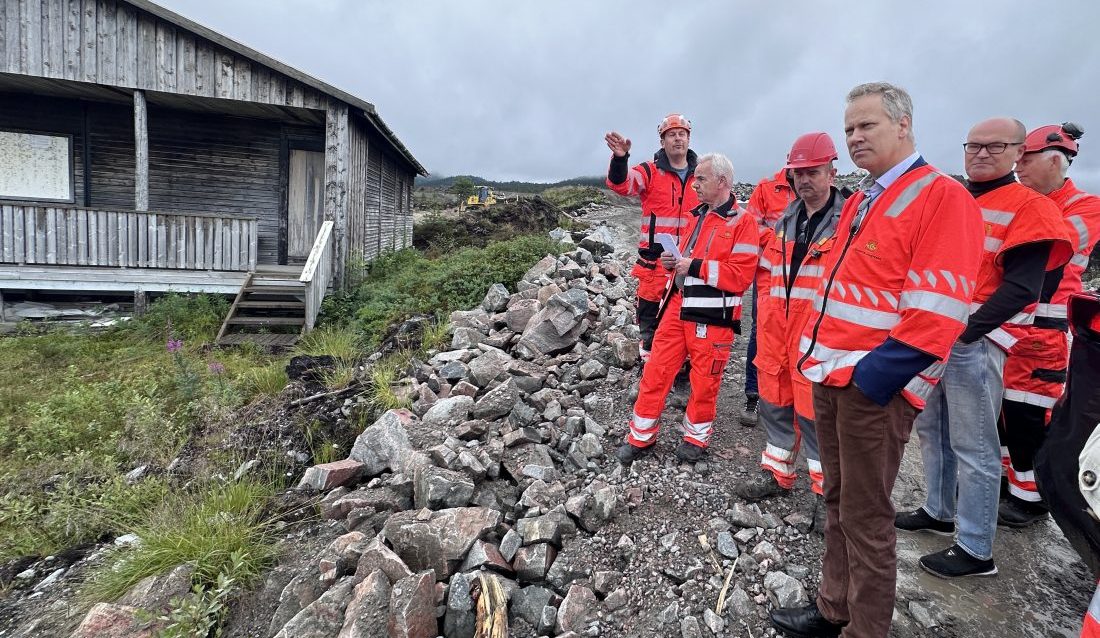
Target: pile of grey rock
x=496, y=466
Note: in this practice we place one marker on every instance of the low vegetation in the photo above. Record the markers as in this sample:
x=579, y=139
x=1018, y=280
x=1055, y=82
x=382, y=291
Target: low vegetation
x=401, y=284
x=571, y=198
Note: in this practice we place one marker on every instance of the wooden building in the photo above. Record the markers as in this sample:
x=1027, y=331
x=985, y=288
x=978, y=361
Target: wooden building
x=142, y=151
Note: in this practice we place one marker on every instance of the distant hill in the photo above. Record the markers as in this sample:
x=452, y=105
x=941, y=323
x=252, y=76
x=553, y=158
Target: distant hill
x=443, y=183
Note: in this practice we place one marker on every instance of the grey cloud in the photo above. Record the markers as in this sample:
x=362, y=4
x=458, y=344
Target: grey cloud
x=526, y=90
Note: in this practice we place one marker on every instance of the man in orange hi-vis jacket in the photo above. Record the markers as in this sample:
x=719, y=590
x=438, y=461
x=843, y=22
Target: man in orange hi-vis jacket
x=664, y=187
x=1024, y=238
x=767, y=203
x=1035, y=372
x=792, y=270
x=894, y=298
x=699, y=314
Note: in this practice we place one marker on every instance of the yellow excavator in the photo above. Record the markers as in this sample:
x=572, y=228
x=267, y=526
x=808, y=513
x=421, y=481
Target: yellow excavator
x=483, y=196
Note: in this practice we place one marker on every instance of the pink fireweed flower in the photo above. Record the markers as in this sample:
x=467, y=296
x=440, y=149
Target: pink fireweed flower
x=175, y=345
x=216, y=367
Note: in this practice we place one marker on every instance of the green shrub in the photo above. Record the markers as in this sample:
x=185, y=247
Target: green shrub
x=398, y=285
x=192, y=317
x=205, y=527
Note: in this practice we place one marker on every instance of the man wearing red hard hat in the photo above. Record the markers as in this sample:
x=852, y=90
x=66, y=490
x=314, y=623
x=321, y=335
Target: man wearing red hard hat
x=664, y=187
x=1035, y=372
x=792, y=265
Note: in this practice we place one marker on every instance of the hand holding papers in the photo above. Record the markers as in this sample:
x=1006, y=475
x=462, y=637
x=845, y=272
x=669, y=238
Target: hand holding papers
x=668, y=242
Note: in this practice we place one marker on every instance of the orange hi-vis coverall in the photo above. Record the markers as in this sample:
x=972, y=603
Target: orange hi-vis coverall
x=667, y=202
x=699, y=315
x=904, y=268
x=785, y=304
x=1038, y=347
x=770, y=199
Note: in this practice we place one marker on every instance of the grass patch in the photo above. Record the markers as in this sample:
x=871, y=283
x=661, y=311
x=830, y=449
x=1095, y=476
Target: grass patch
x=266, y=380
x=210, y=528
x=77, y=411
x=383, y=375
x=570, y=198
x=337, y=341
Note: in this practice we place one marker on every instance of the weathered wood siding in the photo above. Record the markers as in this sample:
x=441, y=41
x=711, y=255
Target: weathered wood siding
x=379, y=196
x=116, y=44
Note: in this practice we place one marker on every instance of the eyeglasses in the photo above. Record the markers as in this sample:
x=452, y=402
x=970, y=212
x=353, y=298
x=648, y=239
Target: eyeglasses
x=994, y=148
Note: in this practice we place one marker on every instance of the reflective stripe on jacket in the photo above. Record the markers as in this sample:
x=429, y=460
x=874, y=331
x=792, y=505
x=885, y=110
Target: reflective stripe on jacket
x=1015, y=215
x=907, y=271
x=724, y=256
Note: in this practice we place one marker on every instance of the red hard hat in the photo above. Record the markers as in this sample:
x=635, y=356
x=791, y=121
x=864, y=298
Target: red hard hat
x=811, y=149
x=1063, y=137
x=671, y=121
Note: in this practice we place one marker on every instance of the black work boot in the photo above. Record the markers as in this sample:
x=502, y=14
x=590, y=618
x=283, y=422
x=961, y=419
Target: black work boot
x=628, y=453
x=760, y=487
x=690, y=453
x=819, y=514
x=1018, y=513
x=805, y=622
x=919, y=520
x=749, y=416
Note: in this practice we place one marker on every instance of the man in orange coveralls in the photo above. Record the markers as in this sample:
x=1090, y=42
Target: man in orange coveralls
x=699, y=313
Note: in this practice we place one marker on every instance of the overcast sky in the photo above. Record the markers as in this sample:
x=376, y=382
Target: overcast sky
x=526, y=90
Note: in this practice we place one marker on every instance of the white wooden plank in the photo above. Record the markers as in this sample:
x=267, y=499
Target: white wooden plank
x=19, y=242
x=106, y=41
x=200, y=243
x=144, y=233
x=112, y=237
x=123, y=229
x=33, y=33
x=82, y=237
x=162, y=242
x=7, y=234
x=181, y=242
x=253, y=244
x=235, y=249
x=136, y=226
x=126, y=56
x=88, y=41
x=218, y=234
x=141, y=152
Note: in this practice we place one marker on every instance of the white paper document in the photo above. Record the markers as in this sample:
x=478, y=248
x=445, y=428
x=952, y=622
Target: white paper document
x=668, y=242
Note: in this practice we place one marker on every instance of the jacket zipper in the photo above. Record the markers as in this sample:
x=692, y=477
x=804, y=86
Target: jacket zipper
x=829, y=284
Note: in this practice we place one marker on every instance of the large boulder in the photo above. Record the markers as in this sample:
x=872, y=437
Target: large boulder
x=367, y=614
x=105, y=620
x=385, y=444
x=412, y=607
x=600, y=241
x=488, y=366
x=449, y=412
x=440, y=488
x=497, y=402
x=558, y=326
x=577, y=610
x=323, y=617
x=519, y=313
x=496, y=299
x=438, y=540
x=546, y=267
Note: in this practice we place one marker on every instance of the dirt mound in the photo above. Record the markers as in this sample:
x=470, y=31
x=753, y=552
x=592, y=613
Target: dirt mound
x=478, y=227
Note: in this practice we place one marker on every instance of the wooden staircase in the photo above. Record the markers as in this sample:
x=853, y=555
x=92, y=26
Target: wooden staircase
x=269, y=310
x=276, y=305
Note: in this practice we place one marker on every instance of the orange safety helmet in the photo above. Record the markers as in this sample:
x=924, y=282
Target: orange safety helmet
x=811, y=149
x=1062, y=137
x=671, y=121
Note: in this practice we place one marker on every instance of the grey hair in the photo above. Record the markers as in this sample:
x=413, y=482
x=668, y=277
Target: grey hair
x=720, y=164
x=1063, y=161
x=895, y=100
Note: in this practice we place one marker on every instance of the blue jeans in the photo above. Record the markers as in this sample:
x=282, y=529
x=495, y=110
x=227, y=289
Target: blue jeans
x=751, y=386
x=960, y=447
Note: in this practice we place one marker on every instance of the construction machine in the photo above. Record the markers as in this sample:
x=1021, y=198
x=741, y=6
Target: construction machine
x=483, y=196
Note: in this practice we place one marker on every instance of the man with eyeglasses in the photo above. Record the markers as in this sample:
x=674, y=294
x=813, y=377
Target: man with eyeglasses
x=958, y=427
x=1035, y=373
